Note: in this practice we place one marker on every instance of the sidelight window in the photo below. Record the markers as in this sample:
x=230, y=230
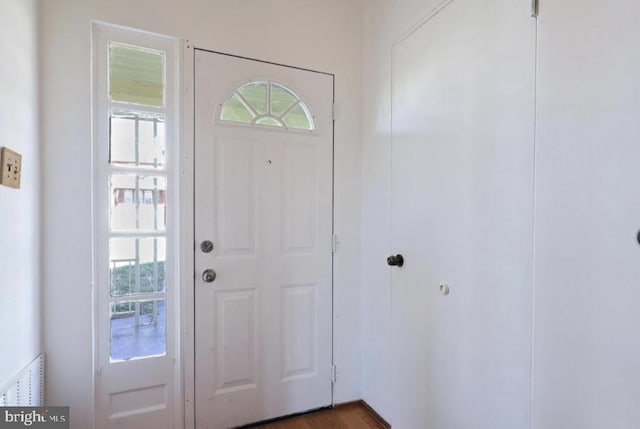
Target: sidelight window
x=134, y=216
x=137, y=185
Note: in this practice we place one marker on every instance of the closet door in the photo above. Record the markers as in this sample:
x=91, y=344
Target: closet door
x=587, y=336
x=462, y=216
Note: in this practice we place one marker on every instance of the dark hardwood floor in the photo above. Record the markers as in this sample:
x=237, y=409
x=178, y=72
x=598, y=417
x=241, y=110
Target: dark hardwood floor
x=354, y=415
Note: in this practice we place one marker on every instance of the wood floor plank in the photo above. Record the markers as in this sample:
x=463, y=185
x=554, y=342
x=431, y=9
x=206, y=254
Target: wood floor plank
x=368, y=419
x=348, y=416
x=353, y=420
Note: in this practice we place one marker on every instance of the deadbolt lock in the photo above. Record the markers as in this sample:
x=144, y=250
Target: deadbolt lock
x=206, y=246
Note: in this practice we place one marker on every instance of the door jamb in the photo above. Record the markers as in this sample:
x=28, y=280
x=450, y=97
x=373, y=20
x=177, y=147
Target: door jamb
x=186, y=184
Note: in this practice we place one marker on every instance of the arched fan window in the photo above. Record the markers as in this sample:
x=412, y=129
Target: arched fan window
x=267, y=104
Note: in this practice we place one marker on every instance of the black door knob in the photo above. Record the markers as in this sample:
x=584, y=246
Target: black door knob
x=395, y=261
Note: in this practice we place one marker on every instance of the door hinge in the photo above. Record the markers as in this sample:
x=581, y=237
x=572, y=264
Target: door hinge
x=334, y=243
x=535, y=7
x=334, y=371
x=333, y=111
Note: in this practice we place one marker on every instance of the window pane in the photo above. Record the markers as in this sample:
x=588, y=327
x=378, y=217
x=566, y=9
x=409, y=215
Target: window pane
x=138, y=203
x=137, y=139
x=136, y=75
x=138, y=329
x=234, y=110
x=137, y=265
x=268, y=121
x=256, y=94
x=297, y=118
x=281, y=99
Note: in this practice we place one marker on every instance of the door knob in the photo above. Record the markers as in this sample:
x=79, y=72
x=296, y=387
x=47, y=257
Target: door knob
x=395, y=260
x=208, y=275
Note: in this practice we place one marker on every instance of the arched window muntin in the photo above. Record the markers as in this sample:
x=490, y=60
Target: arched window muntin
x=295, y=116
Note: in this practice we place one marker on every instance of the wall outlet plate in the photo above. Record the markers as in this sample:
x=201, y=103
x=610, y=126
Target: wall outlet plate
x=11, y=168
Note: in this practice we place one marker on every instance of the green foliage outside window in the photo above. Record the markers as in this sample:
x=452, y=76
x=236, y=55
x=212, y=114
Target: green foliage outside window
x=123, y=279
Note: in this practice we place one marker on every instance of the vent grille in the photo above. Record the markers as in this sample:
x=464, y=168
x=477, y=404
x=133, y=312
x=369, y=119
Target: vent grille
x=26, y=389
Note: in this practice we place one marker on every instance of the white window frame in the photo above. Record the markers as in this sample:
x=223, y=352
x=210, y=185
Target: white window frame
x=299, y=101
x=169, y=364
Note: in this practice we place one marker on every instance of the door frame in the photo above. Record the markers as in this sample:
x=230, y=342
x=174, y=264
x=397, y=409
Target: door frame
x=186, y=229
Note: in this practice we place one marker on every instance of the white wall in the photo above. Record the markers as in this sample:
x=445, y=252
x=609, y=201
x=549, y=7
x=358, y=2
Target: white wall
x=19, y=209
x=323, y=35
x=383, y=23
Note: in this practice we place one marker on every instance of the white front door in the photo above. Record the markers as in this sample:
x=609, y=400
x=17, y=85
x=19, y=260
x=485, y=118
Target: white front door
x=462, y=207
x=263, y=199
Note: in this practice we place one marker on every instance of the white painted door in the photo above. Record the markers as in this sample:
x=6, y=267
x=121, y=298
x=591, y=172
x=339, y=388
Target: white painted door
x=264, y=199
x=462, y=204
x=587, y=341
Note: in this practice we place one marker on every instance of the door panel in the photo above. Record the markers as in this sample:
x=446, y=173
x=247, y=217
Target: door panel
x=462, y=202
x=299, y=327
x=300, y=199
x=236, y=197
x=264, y=198
x=587, y=342
x=235, y=327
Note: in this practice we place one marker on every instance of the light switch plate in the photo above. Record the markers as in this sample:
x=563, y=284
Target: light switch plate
x=11, y=168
